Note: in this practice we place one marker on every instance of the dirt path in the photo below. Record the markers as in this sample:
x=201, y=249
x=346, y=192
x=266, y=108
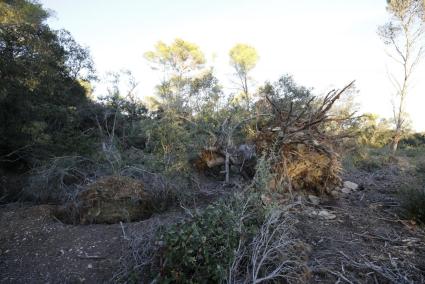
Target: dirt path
x=36, y=248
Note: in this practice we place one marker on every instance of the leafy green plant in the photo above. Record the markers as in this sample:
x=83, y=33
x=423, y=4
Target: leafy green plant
x=368, y=159
x=201, y=250
x=413, y=140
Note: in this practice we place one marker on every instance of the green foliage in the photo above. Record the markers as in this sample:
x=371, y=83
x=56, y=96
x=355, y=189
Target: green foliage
x=179, y=57
x=369, y=163
x=22, y=11
x=200, y=251
x=243, y=57
x=187, y=86
x=263, y=174
x=372, y=131
x=40, y=96
x=286, y=91
x=413, y=203
x=367, y=158
x=413, y=140
x=170, y=141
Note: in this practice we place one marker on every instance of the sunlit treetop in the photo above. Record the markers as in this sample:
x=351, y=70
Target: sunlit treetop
x=243, y=57
x=22, y=12
x=403, y=8
x=180, y=56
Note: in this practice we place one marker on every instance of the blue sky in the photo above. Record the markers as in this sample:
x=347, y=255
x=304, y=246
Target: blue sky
x=324, y=44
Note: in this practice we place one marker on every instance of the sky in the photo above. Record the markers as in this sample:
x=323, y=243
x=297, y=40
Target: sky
x=323, y=44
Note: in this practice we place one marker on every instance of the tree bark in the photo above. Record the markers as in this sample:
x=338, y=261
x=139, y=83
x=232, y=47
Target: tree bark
x=227, y=167
x=394, y=145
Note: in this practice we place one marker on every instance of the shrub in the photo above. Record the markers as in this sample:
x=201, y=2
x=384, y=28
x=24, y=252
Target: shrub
x=58, y=179
x=370, y=164
x=412, y=152
x=413, y=140
x=369, y=159
x=413, y=204
x=234, y=240
x=201, y=250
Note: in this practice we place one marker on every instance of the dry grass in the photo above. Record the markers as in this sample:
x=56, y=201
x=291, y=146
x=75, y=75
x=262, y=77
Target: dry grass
x=274, y=254
x=59, y=179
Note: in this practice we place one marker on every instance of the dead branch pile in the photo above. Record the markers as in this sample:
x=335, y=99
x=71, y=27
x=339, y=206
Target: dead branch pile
x=109, y=200
x=299, y=146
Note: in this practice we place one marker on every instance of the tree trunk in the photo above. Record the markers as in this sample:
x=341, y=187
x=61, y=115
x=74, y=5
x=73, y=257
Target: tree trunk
x=394, y=145
x=227, y=167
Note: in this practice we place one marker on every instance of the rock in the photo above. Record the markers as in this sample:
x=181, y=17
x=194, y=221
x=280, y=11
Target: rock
x=326, y=215
x=335, y=193
x=314, y=199
x=351, y=185
x=346, y=190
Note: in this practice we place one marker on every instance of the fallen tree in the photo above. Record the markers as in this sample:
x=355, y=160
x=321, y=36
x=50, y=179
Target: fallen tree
x=295, y=131
x=299, y=145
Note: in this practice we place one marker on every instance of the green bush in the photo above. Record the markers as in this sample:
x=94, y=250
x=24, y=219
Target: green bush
x=413, y=204
x=201, y=250
x=364, y=159
x=413, y=140
x=412, y=152
x=369, y=164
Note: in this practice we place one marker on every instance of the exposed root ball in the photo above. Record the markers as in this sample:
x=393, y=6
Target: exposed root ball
x=301, y=165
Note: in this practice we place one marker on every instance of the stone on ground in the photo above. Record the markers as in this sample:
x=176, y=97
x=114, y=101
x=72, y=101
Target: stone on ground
x=314, y=199
x=326, y=215
x=346, y=190
x=350, y=185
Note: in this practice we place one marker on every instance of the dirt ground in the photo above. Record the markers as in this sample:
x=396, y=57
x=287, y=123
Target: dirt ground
x=365, y=243
x=37, y=248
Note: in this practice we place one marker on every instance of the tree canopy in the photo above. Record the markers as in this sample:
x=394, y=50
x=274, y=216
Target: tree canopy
x=178, y=58
x=40, y=93
x=243, y=58
x=22, y=11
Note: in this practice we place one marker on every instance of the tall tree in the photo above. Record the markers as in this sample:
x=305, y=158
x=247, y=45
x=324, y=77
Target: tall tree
x=40, y=93
x=243, y=59
x=179, y=62
x=404, y=34
x=22, y=11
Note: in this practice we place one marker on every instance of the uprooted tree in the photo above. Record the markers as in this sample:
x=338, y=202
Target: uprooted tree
x=291, y=129
x=299, y=143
